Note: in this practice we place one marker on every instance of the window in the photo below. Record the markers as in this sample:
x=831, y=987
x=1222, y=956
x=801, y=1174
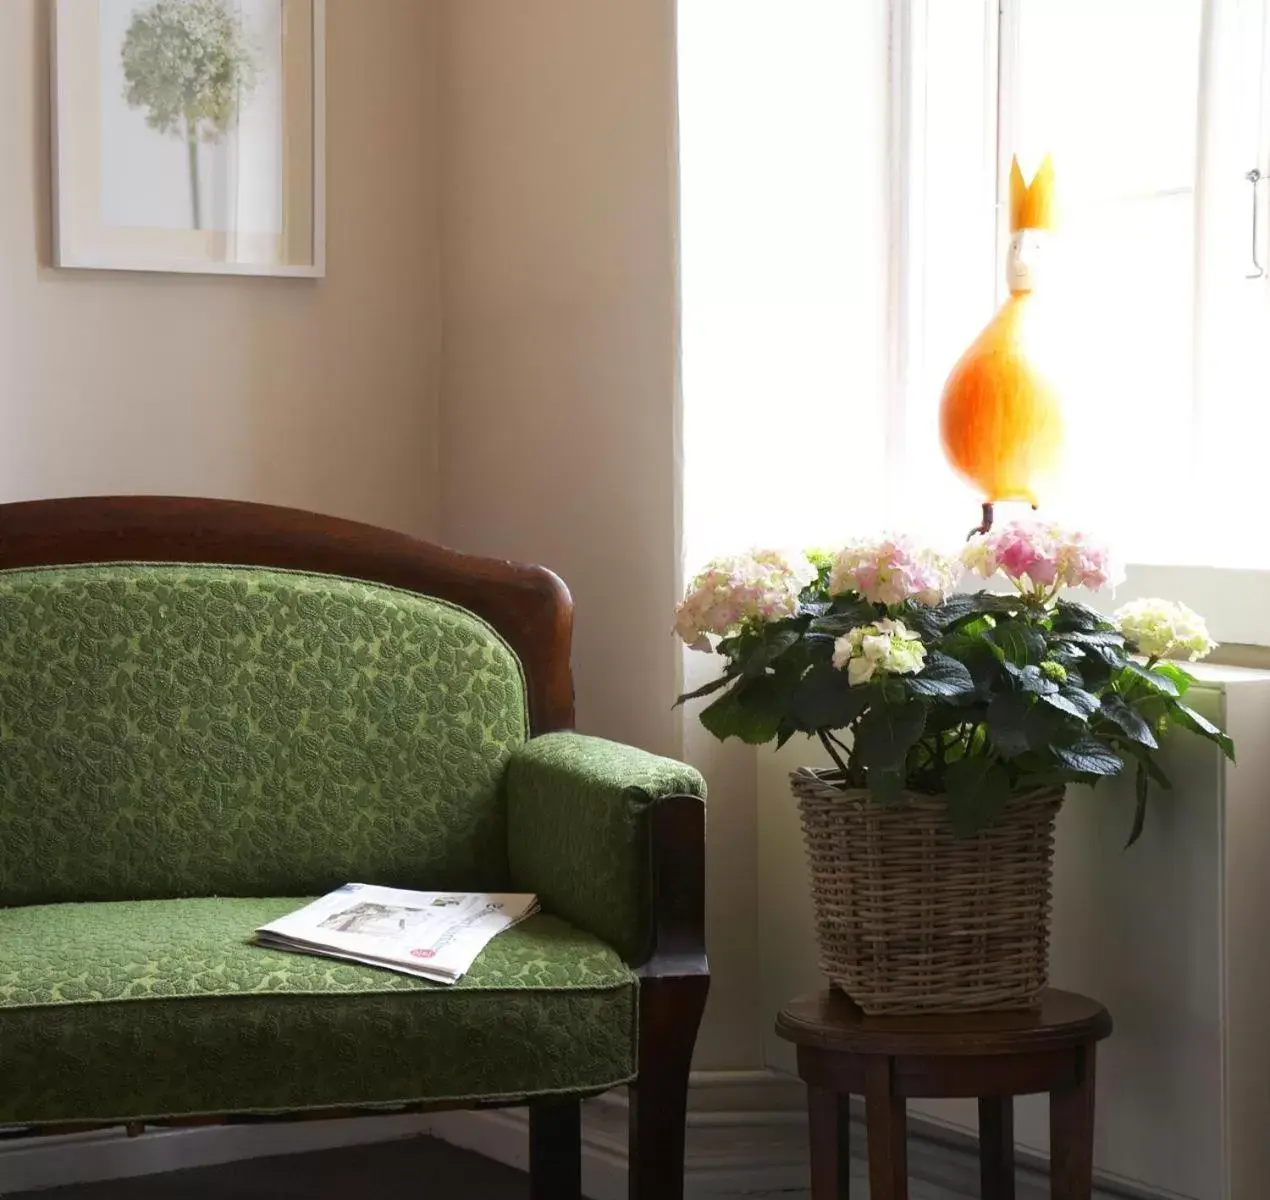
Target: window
x=1128, y=96
x=843, y=241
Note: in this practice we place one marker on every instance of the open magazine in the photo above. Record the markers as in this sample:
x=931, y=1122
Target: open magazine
x=436, y=935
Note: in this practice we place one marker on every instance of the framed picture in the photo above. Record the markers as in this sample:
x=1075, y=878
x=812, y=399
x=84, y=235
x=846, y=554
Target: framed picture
x=189, y=135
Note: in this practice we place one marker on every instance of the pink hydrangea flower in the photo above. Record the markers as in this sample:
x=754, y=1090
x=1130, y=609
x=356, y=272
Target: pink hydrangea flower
x=760, y=585
x=1042, y=559
x=893, y=569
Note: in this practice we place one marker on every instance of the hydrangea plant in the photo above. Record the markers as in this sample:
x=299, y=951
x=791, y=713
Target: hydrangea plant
x=913, y=686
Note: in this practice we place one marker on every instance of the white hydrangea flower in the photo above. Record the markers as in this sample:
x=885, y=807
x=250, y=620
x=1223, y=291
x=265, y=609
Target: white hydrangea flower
x=760, y=585
x=883, y=648
x=1164, y=629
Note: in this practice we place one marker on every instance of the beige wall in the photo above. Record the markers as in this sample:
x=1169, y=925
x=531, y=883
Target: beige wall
x=560, y=379
x=321, y=394
x=559, y=373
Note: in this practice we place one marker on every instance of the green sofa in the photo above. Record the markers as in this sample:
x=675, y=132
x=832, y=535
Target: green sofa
x=210, y=711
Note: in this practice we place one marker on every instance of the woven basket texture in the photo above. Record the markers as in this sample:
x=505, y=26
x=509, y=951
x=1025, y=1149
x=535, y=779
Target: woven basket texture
x=910, y=918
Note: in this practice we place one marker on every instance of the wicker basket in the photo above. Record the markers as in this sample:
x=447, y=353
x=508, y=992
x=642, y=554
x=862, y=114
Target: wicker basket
x=912, y=919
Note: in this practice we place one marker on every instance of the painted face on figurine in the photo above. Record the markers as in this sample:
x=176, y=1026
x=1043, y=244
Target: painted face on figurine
x=1025, y=259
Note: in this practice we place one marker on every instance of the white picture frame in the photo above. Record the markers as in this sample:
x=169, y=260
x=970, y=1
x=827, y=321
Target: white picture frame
x=134, y=190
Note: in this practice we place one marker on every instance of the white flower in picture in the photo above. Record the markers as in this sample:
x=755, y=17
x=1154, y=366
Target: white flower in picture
x=191, y=65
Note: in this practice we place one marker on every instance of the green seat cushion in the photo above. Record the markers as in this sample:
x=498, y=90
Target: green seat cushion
x=172, y=730
x=138, y=1009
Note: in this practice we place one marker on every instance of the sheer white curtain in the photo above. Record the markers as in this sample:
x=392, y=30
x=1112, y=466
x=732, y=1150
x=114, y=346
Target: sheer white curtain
x=784, y=183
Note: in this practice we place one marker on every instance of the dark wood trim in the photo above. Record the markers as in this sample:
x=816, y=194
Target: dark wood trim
x=886, y=1123
x=996, y=1147
x=676, y=900
x=829, y=1131
x=555, y=1149
x=528, y=605
x=674, y=984
x=1072, y=1132
x=670, y=1010
x=828, y=1020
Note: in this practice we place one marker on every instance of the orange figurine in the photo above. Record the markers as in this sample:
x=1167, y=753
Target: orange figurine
x=1000, y=417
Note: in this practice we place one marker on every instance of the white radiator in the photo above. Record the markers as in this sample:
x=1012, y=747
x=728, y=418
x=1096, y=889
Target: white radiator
x=1173, y=936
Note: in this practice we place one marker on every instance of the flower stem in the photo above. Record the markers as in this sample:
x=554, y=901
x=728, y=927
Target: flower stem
x=827, y=742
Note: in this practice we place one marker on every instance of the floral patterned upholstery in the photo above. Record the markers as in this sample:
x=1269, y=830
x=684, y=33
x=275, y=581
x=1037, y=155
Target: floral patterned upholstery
x=178, y=741
x=189, y=730
x=116, y=1011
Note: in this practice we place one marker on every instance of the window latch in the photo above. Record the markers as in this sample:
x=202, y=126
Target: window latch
x=1254, y=177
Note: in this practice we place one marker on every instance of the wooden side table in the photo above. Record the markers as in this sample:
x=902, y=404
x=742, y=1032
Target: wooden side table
x=990, y=1056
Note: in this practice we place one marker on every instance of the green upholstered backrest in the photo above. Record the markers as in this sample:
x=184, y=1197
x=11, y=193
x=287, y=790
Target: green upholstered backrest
x=181, y=730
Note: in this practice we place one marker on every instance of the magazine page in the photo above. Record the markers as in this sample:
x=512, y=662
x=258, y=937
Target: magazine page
x=436, y=935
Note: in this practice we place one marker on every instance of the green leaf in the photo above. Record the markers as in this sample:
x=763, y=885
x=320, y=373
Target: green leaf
x=1106, y=645
x=1031, y=680
x=985, y=669
x=736, y=646
x=705, y=690
x=978, y=789
x=855, y=608
x=1154, y=680
x=887, y=732
x=1065, y=654
x=1146, y=759
x=1013, y=725
x=1074, y=701
x=1188, y=718
x=965, y=605
x=1180, y=679
x=843, y=617
x=1075, y=679
x=1089, y=757
x=1096, y=672
x=823, y=699
x=1141, y=786
x=1094, y=637
x=730, y=717
x=1115, y=709
x=1069, y=615
x=1032, y=726
x=1018, y=643
x=885, y=786
x=941, y=676
x=775, y=643
x=922, y=619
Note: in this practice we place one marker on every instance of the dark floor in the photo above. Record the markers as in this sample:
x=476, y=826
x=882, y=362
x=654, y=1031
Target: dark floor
x=419, y=1168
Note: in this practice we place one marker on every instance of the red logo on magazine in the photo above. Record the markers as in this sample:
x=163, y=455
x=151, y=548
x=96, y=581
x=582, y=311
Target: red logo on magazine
x=423, y=953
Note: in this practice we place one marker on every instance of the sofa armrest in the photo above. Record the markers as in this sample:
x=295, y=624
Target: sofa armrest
x=612, y=839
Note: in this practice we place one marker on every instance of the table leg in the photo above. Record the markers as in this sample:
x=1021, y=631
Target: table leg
x=1072, y=1133
x=885, y=1116
x=996, y=1147
x=830, y=1115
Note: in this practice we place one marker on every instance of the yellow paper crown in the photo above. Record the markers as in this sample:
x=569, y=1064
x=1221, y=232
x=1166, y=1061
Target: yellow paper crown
x=1032, y=205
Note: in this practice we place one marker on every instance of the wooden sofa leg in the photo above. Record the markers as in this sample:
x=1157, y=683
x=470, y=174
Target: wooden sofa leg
x=555, y=1150
x=669, y=1014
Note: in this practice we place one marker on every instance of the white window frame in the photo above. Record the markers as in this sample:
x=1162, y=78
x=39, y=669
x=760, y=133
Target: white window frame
x=1235, y=602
